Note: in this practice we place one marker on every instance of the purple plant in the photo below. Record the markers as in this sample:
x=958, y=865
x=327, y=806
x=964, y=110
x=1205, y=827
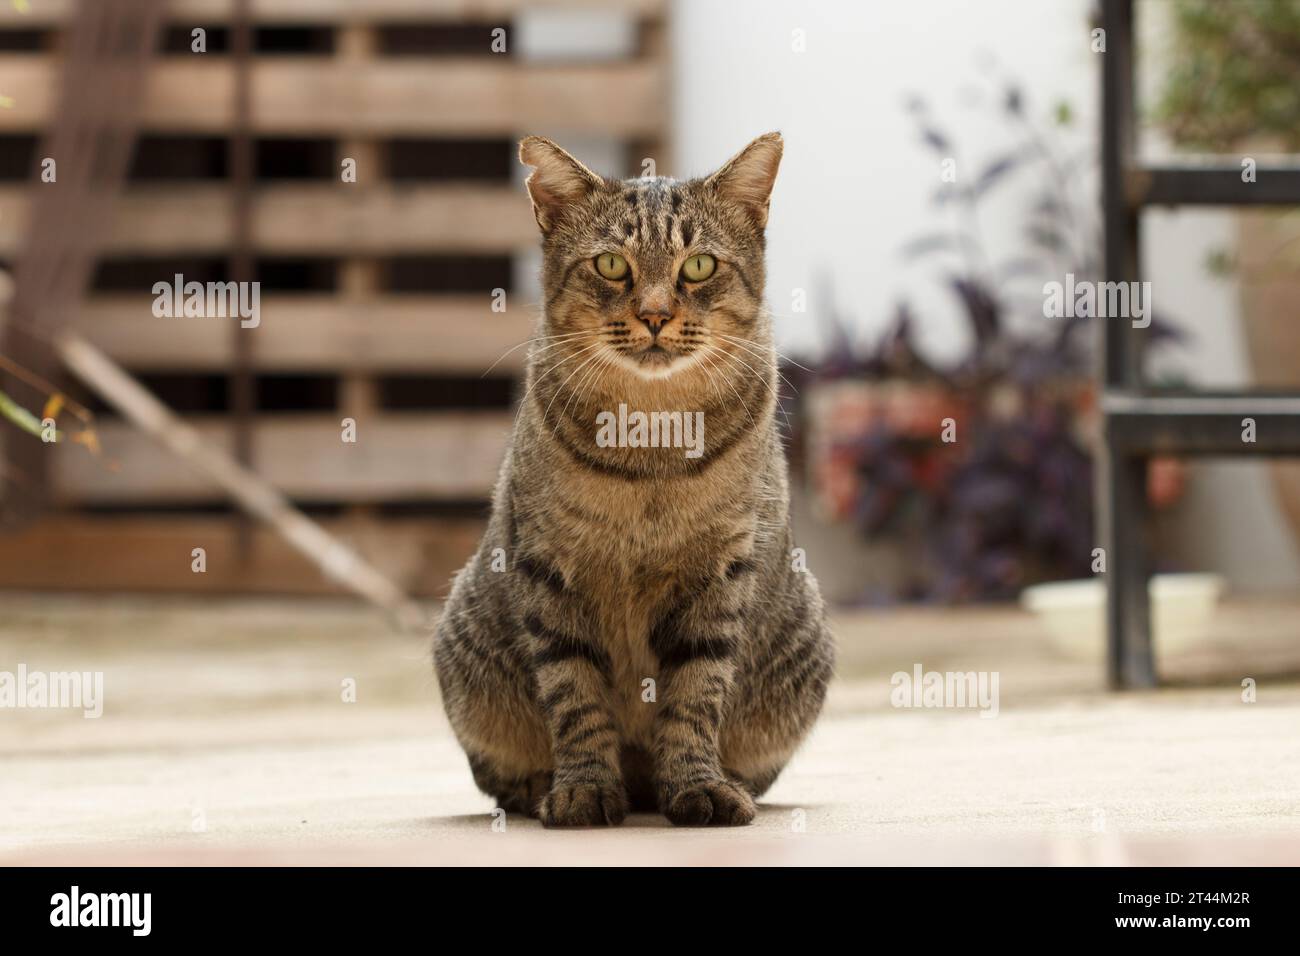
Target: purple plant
x=1010, y=502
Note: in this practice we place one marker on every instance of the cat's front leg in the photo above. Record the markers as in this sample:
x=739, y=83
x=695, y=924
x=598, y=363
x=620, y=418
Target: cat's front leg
x=573, y=675
x=697, y=643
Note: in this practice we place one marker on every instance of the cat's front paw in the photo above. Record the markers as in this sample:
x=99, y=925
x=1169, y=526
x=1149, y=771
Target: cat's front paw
x=584, y=805
x=718, y=803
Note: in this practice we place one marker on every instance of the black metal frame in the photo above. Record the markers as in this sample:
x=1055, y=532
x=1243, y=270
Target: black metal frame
x=1140, y=423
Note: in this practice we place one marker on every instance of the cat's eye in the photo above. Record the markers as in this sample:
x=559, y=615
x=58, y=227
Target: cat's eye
x=698, y=268
x=611, y=265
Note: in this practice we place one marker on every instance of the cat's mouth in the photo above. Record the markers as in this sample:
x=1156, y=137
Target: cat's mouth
x=656, y=356
x=657, y=361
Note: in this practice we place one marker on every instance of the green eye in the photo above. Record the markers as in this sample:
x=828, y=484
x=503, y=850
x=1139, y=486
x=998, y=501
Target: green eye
x=698, y=268
x=611, y=265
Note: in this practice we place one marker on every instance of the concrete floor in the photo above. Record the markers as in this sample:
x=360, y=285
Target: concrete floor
x=224, y=739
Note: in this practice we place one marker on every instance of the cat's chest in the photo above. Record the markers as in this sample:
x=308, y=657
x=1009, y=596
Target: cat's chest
x=623, y=624
x=626, y=555
x=622, y=534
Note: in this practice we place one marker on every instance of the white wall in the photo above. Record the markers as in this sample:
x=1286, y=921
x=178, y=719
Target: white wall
x=856, y=184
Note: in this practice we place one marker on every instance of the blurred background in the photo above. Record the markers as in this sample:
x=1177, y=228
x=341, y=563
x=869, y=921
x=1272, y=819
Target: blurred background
x=358, y=159
x=940, y=167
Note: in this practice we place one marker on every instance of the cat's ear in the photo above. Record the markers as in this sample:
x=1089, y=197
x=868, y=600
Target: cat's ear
x=747, y=177
x=558, y=180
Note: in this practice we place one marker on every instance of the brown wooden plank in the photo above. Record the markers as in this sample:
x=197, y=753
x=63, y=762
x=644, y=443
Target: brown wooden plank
x=153, y=553
x=359, y=276
x=46, y=12
x=433, y=455
x=307, y=220
x=396, y=96
x=437, y=334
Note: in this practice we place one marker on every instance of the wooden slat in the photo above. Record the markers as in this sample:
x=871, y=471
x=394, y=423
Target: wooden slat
x=451, y=456
x=433, y=334
x=47, y=12
x=308, y=220
x=400, y=96
x=152, y=553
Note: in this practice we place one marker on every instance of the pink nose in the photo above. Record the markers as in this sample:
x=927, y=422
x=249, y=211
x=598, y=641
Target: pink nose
x=655, y=318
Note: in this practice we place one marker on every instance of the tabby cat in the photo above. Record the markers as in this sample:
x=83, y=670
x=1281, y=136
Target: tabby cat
x=637, y=629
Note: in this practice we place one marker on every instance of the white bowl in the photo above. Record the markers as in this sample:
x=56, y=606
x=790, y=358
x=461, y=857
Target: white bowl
x=1074, y=612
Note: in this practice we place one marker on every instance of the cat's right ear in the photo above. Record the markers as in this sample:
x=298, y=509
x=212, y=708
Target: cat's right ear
x=558, y=180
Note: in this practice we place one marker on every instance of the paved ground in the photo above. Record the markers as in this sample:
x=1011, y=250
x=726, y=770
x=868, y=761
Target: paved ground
x=224, y=739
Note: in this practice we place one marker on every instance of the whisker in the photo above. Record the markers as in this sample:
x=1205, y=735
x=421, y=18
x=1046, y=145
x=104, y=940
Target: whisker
x=768, y=385
x=779, y=353
x=753, y=350
x=707, y=371
x=583, y=382
x=770, y=314
x=547, y=413
x=523, y=402
x=710, y=350
x=530, y=341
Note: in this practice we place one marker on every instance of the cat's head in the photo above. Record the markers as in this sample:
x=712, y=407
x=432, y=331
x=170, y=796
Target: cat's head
x=651, y=277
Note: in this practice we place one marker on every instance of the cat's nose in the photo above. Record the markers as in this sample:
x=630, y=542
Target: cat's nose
x=655, y=318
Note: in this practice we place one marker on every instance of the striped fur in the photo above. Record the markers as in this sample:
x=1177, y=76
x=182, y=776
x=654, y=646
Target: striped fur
x=648, y=640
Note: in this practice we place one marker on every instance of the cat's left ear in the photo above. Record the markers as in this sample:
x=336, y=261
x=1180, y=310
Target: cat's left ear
x=747, y=178
x=558, y=180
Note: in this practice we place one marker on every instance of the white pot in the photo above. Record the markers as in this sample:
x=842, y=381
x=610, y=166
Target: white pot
x=1074, y=612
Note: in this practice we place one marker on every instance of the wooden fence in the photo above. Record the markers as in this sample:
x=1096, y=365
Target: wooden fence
x=376, y=294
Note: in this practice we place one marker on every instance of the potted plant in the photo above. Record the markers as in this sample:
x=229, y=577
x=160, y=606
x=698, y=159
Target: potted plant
x=979, y=472
x=1232, y=86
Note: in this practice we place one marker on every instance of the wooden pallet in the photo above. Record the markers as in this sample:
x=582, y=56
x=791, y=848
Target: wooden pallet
x=133, y=526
